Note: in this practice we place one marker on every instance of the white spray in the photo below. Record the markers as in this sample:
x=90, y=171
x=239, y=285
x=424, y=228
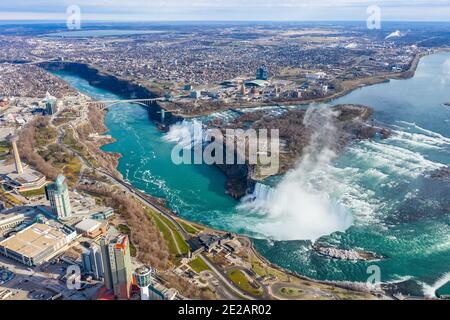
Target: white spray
x=299, y=208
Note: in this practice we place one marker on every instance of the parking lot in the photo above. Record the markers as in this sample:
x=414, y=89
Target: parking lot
x=43, y=283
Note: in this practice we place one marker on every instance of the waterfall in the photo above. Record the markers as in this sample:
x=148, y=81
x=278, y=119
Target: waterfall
x=301, y=206
x=262, y=192
x=187, y=133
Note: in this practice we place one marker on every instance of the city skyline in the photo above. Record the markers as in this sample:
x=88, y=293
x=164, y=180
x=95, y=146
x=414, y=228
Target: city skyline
x=219, y=10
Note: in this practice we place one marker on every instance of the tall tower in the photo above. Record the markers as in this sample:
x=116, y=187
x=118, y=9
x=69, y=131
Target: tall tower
x=19, y=168
x=143, y=277
x=58, y=195
x=261, y=74
x=118, y=275
x=243, y=90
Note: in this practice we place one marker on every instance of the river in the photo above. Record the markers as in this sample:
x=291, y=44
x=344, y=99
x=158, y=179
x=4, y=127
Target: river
x=398, y=210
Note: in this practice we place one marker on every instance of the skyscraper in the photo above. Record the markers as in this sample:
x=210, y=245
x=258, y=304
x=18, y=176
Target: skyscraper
x=118, y=274
x=58, y=195
x=51, y=106
x=261, y=74
x=92, y=261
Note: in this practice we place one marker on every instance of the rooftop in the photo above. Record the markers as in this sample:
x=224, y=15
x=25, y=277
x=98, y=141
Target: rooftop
x=257, y=83
x=33, y=240
x=88, y=225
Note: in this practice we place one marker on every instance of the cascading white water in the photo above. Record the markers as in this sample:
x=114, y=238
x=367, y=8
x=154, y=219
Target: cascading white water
x=299, y=208
x=187, y=133
x=262, y=192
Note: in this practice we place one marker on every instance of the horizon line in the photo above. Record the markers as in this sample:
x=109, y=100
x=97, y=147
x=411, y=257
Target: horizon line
x=226, y=20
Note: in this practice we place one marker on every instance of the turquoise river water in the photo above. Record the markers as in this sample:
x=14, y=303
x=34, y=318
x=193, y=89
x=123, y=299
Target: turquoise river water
x=383, y=187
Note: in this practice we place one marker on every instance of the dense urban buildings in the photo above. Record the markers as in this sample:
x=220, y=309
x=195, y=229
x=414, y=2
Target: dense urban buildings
x=83, y=186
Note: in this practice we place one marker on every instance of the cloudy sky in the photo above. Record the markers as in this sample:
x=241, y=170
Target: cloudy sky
x=294, y=10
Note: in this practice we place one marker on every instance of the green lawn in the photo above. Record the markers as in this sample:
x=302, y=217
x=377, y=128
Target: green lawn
x=33, y=193
x=161, y=223
x=198, y=265
x=188, y=227
x=243, y=282
x=290, y=292
x=11, y=198
x=178, y=237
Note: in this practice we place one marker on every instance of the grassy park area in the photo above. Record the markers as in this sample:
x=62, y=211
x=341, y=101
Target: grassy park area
x=170, y=234
x=33, y=193
x=241, y=280
x=188, y=227
x=198, y=265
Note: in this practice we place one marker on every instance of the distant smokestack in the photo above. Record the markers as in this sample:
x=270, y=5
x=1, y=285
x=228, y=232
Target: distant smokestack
x=19, y=168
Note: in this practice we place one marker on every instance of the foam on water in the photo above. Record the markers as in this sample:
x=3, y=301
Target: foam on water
x=186, y=133
x=430, y=290
x=316, y=200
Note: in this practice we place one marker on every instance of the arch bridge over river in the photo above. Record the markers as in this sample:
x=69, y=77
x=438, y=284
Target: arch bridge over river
x=106, y=104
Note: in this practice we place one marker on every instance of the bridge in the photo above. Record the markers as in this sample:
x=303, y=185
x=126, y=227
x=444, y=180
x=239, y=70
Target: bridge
x=105, y=104
x=37, y=62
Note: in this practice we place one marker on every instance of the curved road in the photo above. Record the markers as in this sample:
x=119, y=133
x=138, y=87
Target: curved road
x=142, y=197
x=225, y=279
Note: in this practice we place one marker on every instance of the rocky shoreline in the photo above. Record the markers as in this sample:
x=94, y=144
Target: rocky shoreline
x=352, y=123
x=125, y=88
x=347, y=254
x=241, y=178
x=103, y=81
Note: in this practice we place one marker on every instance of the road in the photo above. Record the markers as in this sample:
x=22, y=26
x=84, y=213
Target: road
x=125, y=186
x=143, y=198
x=225, y=279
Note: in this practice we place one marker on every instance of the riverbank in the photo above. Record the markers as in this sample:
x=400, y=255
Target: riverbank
x=346, y=88
x=259, y=264
x=397, y=84
x=132, y=89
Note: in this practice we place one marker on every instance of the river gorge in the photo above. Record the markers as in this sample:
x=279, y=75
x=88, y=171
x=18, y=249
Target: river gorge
x=380, y=195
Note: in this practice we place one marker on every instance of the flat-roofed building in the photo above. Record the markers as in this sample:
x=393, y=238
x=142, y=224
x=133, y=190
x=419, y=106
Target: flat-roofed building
x=18, y=175
x=36, y=244
x=10, y=220
x=91, y=228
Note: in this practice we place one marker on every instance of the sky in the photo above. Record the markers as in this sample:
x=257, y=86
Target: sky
x=253, y=10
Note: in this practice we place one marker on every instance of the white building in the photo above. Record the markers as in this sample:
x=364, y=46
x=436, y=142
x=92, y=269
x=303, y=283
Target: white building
x=58, y=195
